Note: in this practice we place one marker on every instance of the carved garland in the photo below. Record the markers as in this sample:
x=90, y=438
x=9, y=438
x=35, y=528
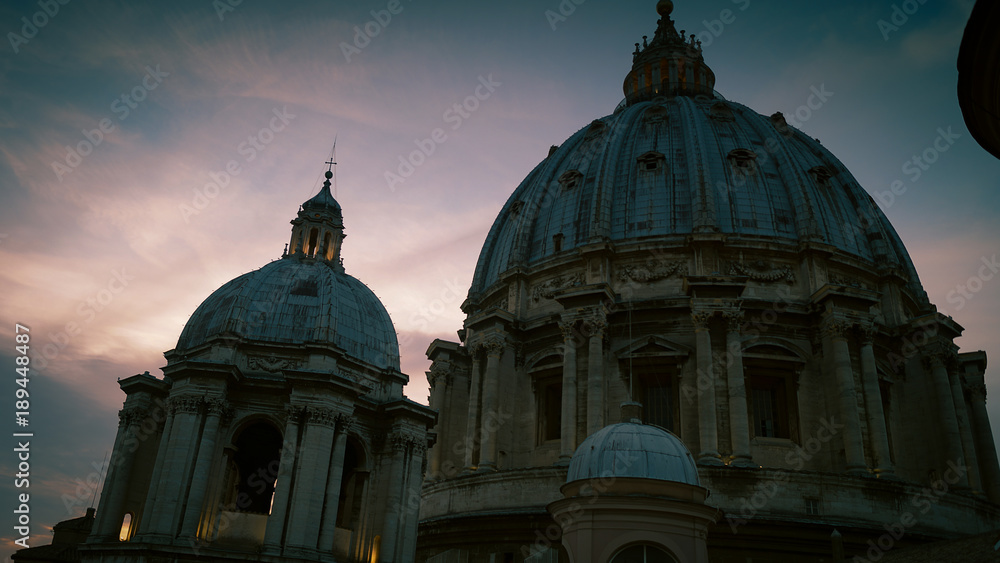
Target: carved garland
x=548, y=289
x=653, y=270
x=763, y=271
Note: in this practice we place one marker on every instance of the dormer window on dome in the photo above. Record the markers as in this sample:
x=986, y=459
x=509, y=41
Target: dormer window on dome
x=651, y=161
x=744, y=162
x=570, y=179
x=821, y=175
x=318, y=230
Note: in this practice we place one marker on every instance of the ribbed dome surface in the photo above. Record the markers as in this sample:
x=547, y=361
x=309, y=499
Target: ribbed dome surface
x=633, y=450
x=681, y=165
x=292, y=301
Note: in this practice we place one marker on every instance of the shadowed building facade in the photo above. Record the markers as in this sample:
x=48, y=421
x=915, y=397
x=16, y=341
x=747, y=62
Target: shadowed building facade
x=728, y=272
x=279, y=431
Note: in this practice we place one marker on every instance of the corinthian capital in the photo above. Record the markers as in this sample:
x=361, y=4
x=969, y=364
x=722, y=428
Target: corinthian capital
x=734, y=320
x=494, y=345
x=835, y=328
x=701, y=319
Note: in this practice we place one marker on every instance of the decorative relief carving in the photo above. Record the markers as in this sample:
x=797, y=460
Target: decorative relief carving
x=866, y=332
x=653, y=270
x=548, y=289
x=847, y=281
x=441, y=372
x=568, y=329
x=978, y=392
x=595, y=324
x=762, y=271
x=271, y=363
x=293, y=414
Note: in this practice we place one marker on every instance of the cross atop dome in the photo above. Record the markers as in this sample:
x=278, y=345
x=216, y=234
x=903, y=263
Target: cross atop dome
x=669, y=65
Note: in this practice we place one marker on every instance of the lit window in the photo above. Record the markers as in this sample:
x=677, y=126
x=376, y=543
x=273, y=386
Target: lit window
x=126, y=532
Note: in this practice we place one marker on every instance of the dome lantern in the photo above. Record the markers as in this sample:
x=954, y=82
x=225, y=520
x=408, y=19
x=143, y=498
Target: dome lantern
x=318, y=230
x=669, y=65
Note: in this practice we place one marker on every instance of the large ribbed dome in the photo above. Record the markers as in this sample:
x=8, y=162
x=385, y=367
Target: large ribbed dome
x=293, y=301
x=680, y=165
x=633, y=450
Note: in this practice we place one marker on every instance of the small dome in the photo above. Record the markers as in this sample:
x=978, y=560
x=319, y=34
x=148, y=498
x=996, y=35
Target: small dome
x=633, y=450
x=293, y=301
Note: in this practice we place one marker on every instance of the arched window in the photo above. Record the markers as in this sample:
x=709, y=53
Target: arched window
x=352, y=486
x=313, y=241
x=126, y=532
x=643, y=554
x=546, y=376
x=256, y=460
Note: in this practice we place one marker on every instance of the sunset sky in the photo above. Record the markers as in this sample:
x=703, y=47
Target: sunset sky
x=117, y=116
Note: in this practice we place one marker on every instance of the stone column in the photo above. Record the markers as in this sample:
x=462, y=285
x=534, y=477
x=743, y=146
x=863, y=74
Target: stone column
x=567, y=433
x=206, y=457
x=472, y=425
x=439, y=378
x=835, y=333
x=275, y=530
x=411, y=498
x=399, y=443
x=146, y=522
x=306, y=509
x=108, y=525
x=964, y=428
x=708, y=432
x=947, y=417
x=985, y=447
x=334, y=482
x=878, y=436
x=739, y=419
x=595, y=373
x=166, y=517
x=494, y=347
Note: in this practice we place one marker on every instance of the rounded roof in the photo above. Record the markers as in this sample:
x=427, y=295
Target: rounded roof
x=298, y=301
x=681, y=165
x=633, y=450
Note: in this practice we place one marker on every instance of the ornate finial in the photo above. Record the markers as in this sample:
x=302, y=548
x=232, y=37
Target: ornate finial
x=644, y=42
x=664, y=8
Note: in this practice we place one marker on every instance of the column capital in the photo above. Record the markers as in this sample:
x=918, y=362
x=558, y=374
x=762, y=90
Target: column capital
x=940, y=353
x=595, y=323
x=185, y=404
x=866, y=332
x=494, y=344
x=132, y=415
x=701, y=318
x=441, y=372
x=322, y=416
x=294, y=414
x=568, y=329
x=346, y=421
x=836, y=328
x=978, y=392
x=734, y=319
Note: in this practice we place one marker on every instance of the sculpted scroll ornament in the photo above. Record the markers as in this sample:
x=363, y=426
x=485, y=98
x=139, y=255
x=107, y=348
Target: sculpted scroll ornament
x=271, y=363
x=653, y=270
x=760, y=270
x=548, y=289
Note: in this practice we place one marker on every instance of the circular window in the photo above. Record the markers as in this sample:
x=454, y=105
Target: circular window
x=643, y=554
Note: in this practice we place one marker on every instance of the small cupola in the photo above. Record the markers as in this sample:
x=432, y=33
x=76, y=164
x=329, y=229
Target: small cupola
x=669, y=65
x=318, y=230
